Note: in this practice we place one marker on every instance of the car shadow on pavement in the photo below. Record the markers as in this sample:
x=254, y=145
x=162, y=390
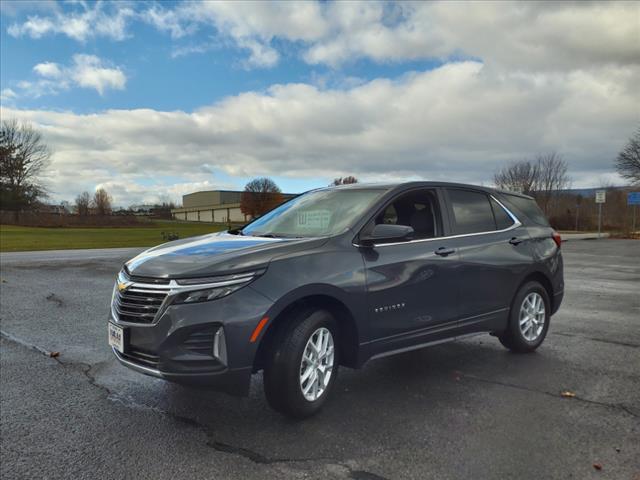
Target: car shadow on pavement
x=390, y=401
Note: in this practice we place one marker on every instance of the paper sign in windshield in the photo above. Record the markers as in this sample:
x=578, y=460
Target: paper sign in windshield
x=314, y=219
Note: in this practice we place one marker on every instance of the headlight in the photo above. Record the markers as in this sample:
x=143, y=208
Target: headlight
x=194, y=290
x=205, y=295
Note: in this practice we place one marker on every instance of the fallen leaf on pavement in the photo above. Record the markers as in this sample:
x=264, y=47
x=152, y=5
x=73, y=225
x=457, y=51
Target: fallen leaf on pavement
x=597, y=466
x=54, y=354
x=567, y=394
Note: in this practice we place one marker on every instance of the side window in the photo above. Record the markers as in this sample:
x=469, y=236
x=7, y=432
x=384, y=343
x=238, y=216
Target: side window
x=503, y=220
x=417, y=209
x=471, y=211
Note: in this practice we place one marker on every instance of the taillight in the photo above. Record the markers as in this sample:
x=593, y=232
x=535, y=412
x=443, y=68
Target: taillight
x=557, y=238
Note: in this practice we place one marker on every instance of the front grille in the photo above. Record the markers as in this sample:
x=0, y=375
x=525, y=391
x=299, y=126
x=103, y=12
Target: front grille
x=137, y=304
x=142, y=357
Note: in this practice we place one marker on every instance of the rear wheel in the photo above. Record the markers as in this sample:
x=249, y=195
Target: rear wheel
x=528, y=319
x=302, y=367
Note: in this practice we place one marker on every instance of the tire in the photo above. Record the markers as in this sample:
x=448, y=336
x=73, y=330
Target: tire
x=526, y=309
x=284, y=367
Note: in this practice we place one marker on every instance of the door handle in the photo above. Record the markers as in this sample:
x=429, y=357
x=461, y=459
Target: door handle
x=444, y=251
x=515, y=241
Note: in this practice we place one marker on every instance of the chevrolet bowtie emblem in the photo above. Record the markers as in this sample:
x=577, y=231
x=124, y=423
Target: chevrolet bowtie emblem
x=122, y=286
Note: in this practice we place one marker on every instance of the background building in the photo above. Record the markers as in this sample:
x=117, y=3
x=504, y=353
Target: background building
x=215, y=206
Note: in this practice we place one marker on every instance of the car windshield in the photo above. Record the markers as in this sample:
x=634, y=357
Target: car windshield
x=315, y=214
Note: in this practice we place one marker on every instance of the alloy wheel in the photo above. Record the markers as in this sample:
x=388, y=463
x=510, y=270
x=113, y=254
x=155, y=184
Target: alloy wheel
x=532, y=316
x=316, y=365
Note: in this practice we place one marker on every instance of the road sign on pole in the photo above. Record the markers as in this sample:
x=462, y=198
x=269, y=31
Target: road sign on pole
x=633, y=199
x=600, y=199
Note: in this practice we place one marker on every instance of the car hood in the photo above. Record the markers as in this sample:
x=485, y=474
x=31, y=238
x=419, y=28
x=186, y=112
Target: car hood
x=214, y=254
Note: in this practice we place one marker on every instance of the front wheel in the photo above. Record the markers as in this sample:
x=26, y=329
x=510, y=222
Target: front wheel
x=301, y=370
x=528, y=319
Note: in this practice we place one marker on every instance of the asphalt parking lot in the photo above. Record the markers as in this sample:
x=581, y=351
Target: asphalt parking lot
x=467, y=409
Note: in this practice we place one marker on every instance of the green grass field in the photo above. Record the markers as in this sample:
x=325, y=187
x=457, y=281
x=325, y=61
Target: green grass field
x=16, y=239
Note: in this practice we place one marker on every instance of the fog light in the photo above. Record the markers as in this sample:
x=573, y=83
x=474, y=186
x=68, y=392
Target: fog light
x=220, y=346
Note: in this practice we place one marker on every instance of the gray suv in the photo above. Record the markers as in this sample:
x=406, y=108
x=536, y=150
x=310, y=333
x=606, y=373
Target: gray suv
x=336, y=277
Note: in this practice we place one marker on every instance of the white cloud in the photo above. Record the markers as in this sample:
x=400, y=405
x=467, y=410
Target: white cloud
x=522, y=35
x=168, y=20
x=100, y=19
x=7, y=95
x=88, y=72
x=85, y=71
x=457, y=122
x=48, y=69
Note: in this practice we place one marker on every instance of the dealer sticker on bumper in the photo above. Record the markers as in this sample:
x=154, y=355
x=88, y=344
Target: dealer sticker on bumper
x=116, y=337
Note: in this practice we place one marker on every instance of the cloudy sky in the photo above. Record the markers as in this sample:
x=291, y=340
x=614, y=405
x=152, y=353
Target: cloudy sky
x=155, y=99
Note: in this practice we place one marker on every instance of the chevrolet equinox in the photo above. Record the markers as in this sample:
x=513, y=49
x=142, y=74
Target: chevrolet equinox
x=336, y=277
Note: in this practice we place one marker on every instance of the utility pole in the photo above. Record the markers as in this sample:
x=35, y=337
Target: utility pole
x=633, y=199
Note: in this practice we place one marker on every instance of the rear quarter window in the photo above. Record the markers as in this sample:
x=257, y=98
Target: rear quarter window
x=503, y=220
x=526, y=206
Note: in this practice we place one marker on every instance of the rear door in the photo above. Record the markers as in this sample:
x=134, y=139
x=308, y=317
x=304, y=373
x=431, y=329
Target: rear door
x=494, y=253
x=412, y=290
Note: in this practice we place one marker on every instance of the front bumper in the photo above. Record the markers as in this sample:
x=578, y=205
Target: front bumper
x=179, y=345
x=234, y=382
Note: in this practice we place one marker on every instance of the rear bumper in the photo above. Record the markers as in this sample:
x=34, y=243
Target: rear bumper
x=232, y=381
x=557, y=301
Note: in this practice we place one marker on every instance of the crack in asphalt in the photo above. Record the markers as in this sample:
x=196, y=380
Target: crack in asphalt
x=256, y=457
x=19, y=341
x=85, y=368
x=618, y=406
x=364, y=475
x=128, y=402
x=601, y=340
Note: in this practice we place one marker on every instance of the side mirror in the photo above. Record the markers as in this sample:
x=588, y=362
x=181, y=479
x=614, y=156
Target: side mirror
x=384, y=233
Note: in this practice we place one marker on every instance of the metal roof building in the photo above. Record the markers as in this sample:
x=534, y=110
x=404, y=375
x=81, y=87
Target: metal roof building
x=215, y=206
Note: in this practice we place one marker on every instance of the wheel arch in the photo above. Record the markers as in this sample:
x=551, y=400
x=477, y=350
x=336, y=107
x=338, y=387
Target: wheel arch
x=280, y=314
x=542, y=279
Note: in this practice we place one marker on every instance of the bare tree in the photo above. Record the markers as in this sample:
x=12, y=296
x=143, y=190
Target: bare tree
x=345, y=180
x=543, y=178
x=552, y=178
x=518, y=177
x=83, y=203
x=23, y=157
x=101, y=202
x=260, y=195
x=628, y=160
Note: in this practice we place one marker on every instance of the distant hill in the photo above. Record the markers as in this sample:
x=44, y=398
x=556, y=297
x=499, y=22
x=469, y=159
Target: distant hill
x=590, y=192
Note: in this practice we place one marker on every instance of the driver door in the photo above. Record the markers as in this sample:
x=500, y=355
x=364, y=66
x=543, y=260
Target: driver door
x=411, y=286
